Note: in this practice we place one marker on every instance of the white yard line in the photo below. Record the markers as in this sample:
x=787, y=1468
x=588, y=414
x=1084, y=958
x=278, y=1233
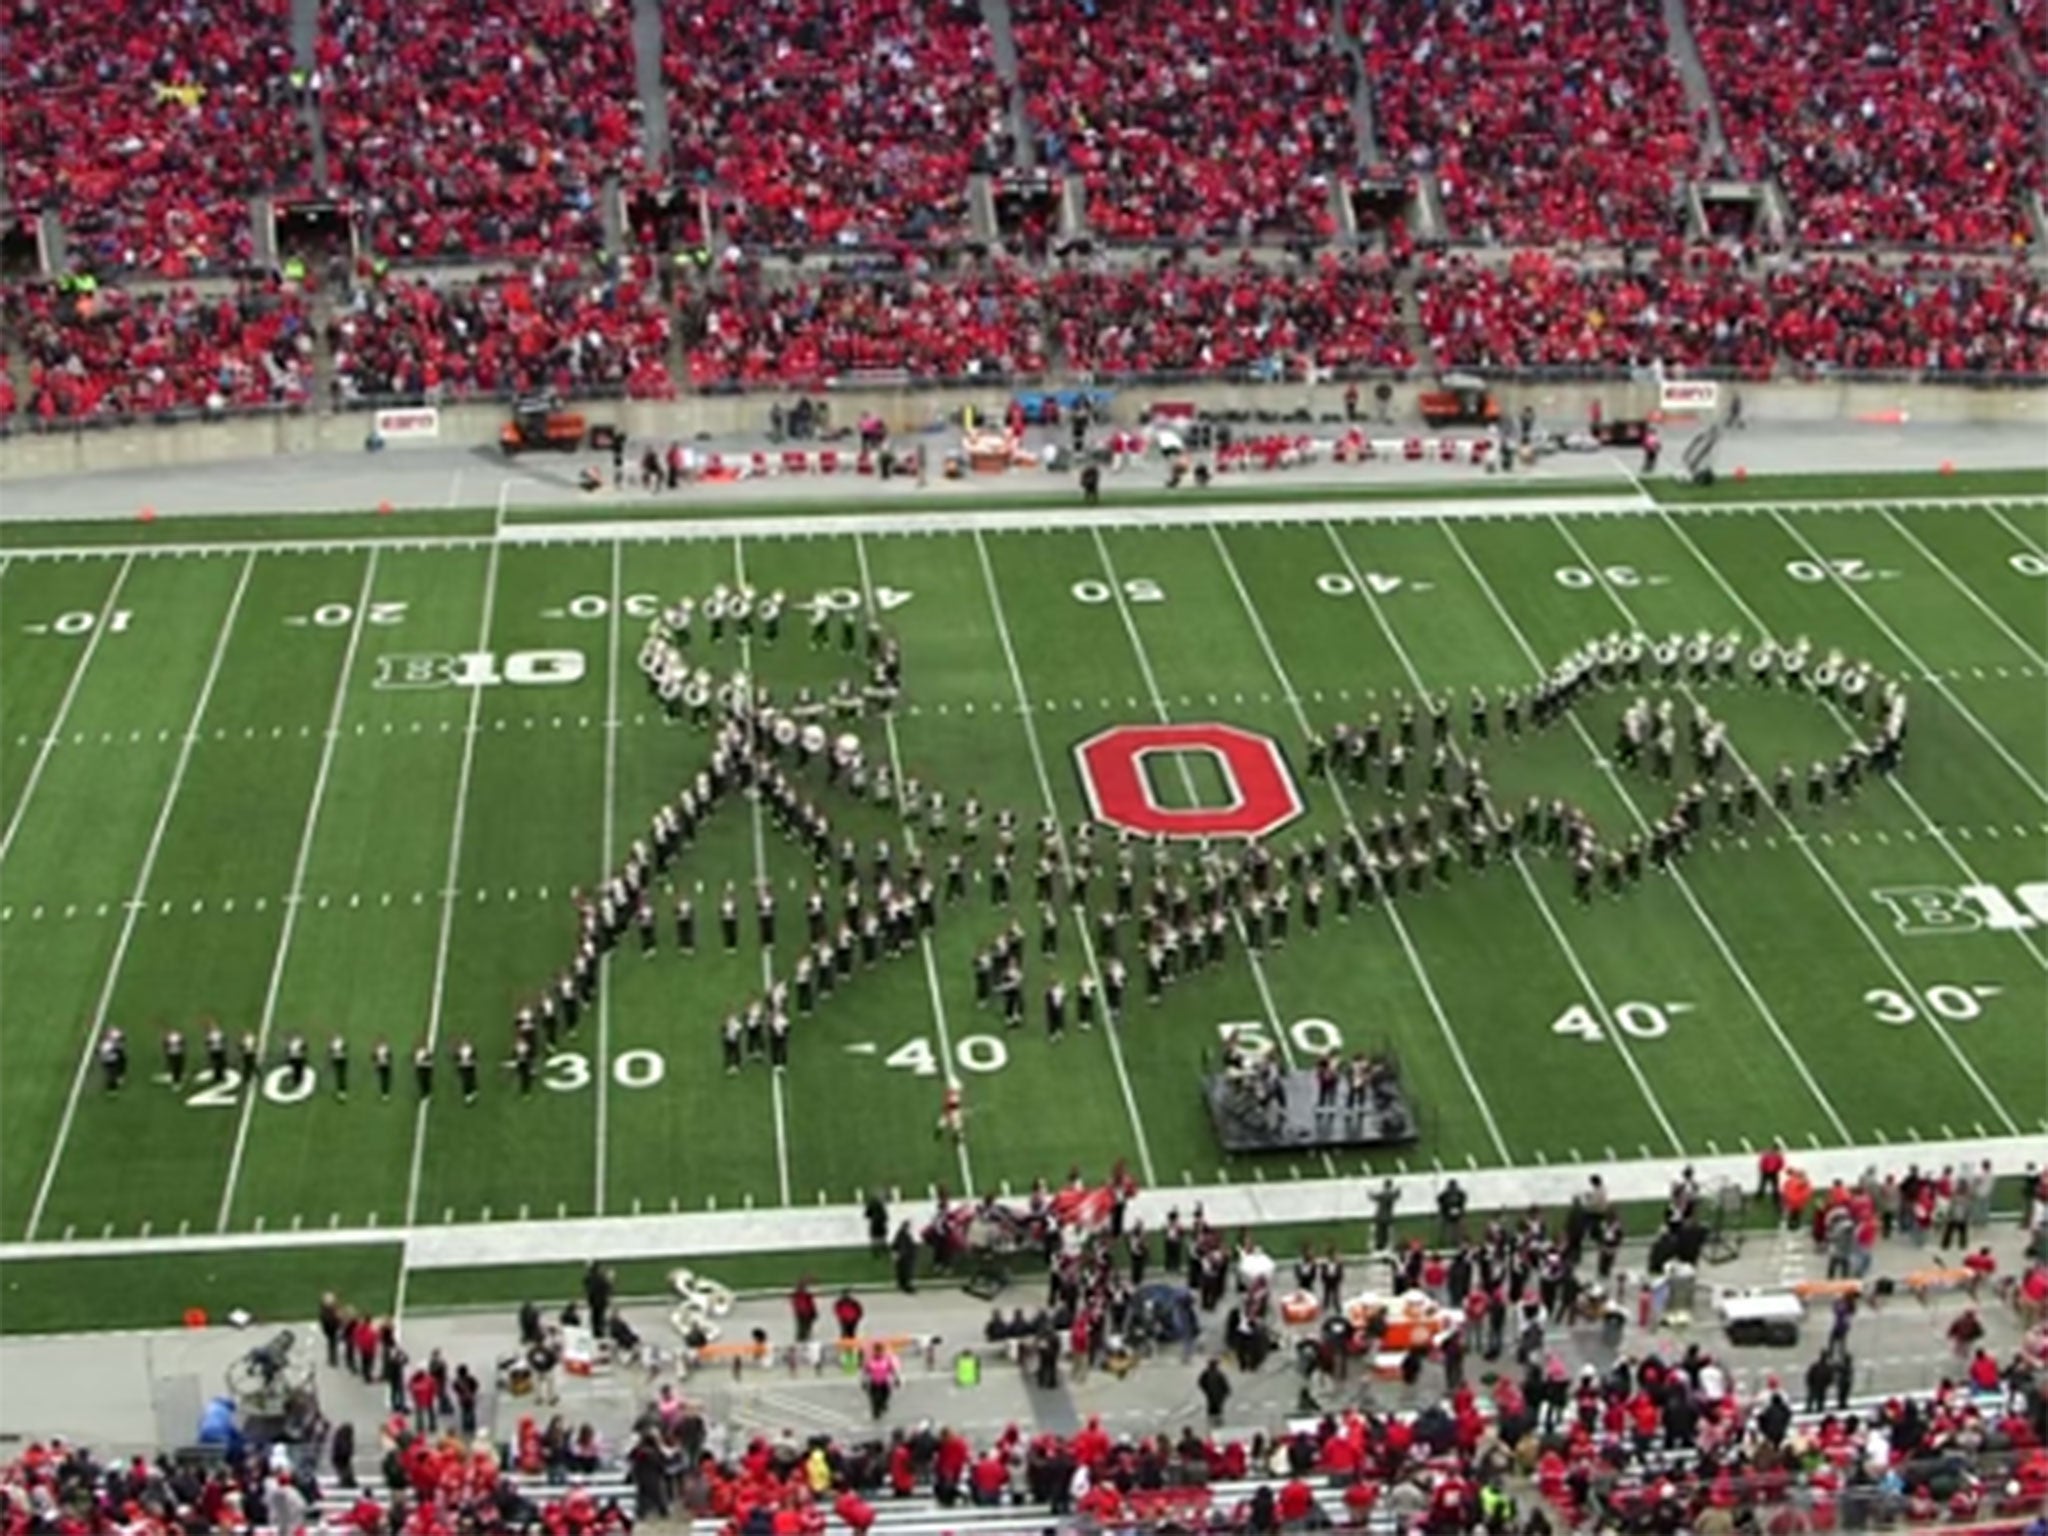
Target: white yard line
x=739, y=565
x=1907, y=986
x=294, y=898
x=1699, y=911
x=1896, y=782
x=135, y=902
x=449, y=892
x=1969, y=717
x=611, y=801
x=1112, y=1028
x=1429, y=993
x=1594, y=997
x=1274, y=1022
x=924, y=938
x=92, y=645
x=2020, y=643
x=2032, y=544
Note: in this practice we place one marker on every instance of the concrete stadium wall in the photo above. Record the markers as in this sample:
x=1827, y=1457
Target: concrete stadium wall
x=37, y=455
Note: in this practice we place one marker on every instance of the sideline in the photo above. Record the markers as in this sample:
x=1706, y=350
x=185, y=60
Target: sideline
x=705, y=1234
x=935, y=520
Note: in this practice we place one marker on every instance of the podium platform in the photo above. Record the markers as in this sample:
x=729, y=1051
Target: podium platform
x=1291, y=1122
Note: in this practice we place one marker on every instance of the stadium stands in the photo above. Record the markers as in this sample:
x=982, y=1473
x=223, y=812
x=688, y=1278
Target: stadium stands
x=466, y=134
x=505, y=334
x=113, y=353
x=1817, y=315
x=1656, y=1444
x=1249, y=321
x=1902, y=122
x=823, y=125
x=149, y=140
x=1224, y=120
x=747, y=334
x=477, y=130
x=1541, y=122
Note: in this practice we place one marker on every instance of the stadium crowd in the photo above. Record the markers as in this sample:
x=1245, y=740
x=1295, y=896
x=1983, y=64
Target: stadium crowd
x=1541, y=123
x=109, y=352
x=1817, y=314
x=1903, y=123
x=1227, y=120
x=150, y=139
x=823, y=125
x=551, y=328
x=477, y=130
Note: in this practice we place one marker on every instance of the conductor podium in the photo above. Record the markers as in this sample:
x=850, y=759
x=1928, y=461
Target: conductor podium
x=1258, y=1105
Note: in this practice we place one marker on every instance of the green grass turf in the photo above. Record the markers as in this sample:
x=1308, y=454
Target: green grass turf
x=1775, y=952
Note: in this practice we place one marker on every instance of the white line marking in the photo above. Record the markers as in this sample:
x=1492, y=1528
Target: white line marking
x=1187, y=779
x=931, y=964
x=1400, y=927
x=155, y=845
x=739, y=565
x=298, y=887
x=611, y=801
x=1806, y=849
x=450, y=871
x=1111, y=1028
x=1542, y=903
x=92, y=645
x=2019, y=641
x=1699, y=911
x=1969, y=717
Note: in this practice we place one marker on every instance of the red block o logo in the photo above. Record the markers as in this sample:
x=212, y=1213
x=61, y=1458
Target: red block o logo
x=1263, y=793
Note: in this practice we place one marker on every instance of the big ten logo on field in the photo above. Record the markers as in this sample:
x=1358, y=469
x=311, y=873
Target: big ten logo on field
x=1920, y=910
x=479, y=669
x=1259, y=789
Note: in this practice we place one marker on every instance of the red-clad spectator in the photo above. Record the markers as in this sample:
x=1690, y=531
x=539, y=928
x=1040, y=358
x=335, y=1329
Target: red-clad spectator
x=111, y=353
x=544, y=330
x=1541, y=120
x=1343, y=313
x=1906, y=122
x=474, y=129
x=807, y=332
x=148, y=139
x=818, y=124
x=1224, y=120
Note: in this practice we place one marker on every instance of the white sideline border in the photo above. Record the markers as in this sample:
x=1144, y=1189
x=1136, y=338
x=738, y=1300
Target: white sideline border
x=938, y=519
x=696, y=1236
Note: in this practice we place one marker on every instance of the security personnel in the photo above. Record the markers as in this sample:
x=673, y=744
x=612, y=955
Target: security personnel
x=465, y=1069
x=337, y=1063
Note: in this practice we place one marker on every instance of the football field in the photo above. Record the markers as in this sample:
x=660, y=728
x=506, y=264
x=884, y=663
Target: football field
x=348, y=788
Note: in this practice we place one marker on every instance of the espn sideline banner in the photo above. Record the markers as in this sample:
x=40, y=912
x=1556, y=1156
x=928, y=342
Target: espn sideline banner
x=411, y=424
x=1688, y=397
